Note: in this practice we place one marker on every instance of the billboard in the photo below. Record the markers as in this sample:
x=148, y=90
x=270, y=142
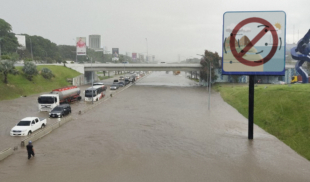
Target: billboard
x=21, y=39
x=254, y=43
x=134, y=56
x=115, y=54
x=81, y=46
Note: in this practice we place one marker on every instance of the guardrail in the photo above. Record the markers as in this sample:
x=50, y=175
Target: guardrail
x=45, y=131
x=5, y=153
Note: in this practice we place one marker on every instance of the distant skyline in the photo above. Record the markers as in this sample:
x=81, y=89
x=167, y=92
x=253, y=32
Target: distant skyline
x=171, y=27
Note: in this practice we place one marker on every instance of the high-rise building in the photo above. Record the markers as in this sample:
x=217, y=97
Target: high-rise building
x=94, y=41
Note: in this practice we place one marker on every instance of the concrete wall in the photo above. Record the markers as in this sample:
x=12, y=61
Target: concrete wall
x=45, y=131
x=78, y=81
x=5, y=153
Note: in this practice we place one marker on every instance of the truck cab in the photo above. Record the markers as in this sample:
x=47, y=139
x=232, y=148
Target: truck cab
x=47, y=102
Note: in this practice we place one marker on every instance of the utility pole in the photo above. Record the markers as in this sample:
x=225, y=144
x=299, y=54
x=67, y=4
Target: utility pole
x=0, y=48
x=209, y=82
x=92, y=80
x=31, y=48
x=147, y=51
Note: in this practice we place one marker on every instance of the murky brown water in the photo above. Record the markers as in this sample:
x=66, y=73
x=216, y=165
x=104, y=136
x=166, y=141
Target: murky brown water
x=157, y=133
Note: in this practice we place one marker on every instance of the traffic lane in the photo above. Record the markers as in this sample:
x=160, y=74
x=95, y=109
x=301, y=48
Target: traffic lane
x=12, y=111
x=160, y=134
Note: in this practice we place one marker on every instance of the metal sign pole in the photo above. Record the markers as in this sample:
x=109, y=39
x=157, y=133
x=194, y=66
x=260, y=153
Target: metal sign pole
x=251, y=107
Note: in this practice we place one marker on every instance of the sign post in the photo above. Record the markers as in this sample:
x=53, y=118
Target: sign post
x=254, y=44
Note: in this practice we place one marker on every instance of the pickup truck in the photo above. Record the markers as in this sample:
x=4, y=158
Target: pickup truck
x=28, y=125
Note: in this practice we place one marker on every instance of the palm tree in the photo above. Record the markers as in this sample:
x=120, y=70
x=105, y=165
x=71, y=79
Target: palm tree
x=7, y=67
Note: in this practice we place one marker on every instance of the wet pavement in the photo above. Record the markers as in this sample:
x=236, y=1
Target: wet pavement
x=159, y=129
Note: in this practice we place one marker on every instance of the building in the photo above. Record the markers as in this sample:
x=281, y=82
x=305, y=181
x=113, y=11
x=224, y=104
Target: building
x=94, y=42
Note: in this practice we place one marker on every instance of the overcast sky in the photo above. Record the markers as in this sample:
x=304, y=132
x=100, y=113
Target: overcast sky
x=172, y=27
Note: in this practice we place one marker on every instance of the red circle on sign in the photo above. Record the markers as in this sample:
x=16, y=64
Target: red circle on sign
x=268, y=27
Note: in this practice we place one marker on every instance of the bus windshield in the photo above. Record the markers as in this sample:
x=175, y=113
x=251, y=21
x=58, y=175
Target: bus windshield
x=88, y=93
x=46, y=100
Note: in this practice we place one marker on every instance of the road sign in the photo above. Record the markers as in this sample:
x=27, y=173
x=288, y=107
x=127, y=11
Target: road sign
x=254, y=43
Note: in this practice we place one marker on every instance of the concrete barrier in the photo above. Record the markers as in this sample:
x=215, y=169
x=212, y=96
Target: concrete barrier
x=45, y=131
x=5, y=153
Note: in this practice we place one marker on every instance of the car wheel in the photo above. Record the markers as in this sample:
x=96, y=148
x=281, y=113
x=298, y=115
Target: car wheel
x=43, y=125
x=29, y=133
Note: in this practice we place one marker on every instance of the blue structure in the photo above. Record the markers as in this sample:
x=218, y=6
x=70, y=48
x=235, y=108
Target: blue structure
x=301, y=53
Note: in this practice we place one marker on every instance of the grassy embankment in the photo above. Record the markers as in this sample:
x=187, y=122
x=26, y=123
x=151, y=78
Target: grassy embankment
x=18, y=85
x=281, y=110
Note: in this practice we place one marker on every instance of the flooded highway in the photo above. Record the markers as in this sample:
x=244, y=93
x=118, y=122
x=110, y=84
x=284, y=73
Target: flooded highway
x=159, y=129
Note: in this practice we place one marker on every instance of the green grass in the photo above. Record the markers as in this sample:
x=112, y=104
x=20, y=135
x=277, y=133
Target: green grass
x=281, y=110
x=18, y=85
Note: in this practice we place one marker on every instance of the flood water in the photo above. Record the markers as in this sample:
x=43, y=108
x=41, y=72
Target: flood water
x=159, y=129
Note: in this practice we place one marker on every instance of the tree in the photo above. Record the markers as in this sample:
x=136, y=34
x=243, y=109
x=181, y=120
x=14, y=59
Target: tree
x=8, y=40
x=14, y=56
x=7, y=67
x=210, y=59
x=5, y=57
x=47, y=73
x=30, y=70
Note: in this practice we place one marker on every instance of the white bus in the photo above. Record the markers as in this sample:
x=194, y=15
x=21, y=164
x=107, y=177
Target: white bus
x=94, y=93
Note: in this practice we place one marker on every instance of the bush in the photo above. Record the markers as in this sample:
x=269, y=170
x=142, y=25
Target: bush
x=47, y=73
x=30, y=70
x=5, y=57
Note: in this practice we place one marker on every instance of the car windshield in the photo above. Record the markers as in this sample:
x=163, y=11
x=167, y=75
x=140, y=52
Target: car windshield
x=57, y=109
x=46, y=100
x=24, y=123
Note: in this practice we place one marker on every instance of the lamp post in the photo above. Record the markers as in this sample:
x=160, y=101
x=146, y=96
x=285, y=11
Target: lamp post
x=92, y=80
x=147, y=51
x=0, y=48
x=209, y=82
x=31, y=48
x=45, y=55
x=75, y=50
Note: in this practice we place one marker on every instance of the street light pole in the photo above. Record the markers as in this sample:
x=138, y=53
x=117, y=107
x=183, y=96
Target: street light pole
x=209, y=82
x=31, y=48
x=92, y=80
x=75, y=50
x=209, y=85
x=147, y=50
x=45, y=56
x=0, y=48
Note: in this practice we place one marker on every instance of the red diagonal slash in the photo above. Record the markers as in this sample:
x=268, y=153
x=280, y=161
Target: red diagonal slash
x=268, y=27
x=253, y=42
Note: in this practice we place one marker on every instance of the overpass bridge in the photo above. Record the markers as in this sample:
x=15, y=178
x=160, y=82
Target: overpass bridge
x=88, y=69
x=82, y=68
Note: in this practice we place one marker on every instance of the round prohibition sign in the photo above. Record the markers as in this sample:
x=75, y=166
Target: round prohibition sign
x=268, y=27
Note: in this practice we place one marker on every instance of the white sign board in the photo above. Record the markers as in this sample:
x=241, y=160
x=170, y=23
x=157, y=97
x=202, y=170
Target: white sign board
x=21, y=39
x=254, y=43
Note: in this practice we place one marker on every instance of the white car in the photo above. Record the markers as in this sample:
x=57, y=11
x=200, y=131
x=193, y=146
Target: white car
x=27, y=126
